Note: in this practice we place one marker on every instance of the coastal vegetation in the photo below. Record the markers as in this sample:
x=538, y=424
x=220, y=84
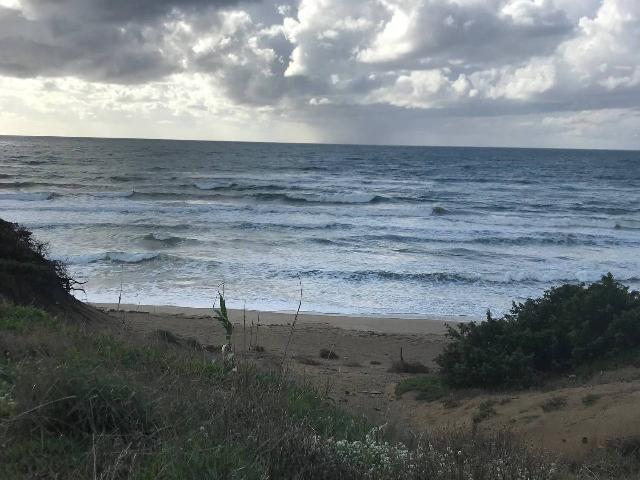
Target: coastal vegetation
x=569, y=328
x=91, y=402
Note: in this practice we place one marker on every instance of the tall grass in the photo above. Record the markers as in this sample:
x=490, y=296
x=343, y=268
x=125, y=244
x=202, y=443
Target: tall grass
x=92, y=403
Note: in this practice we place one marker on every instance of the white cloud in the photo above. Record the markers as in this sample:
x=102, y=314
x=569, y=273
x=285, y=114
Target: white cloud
x=606, y=50
x=367, y=63
x=521, y=83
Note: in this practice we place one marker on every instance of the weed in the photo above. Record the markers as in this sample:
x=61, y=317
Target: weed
x=328, y=354
x=21, y=319
x=408, y=367
x=484, y=411
x=73, y=401
x=590, y=399
x=428, y=387
x=222, y=317
x=450, y=402
x=352, y=363
x=553, y=403
x=307, y=361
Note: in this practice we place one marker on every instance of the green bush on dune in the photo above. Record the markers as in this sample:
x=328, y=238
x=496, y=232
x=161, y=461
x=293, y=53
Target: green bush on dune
x=568, y=327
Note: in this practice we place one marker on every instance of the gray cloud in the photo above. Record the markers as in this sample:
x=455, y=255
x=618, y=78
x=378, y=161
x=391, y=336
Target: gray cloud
x=105, y=40
x=118, y=11
x=342, y=68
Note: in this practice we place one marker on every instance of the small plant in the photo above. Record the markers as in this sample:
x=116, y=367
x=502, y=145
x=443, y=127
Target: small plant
x=553, y=403
x=7, y=404
x=22, y=319
x=409, y=367
x=307, y=361
x=450, y=402
x=328, y=354
x=222, y=317
x=590, y=399
x=428, y=387
x=485, y=410
x=352, y=363
x=77, y=401
x=401, y=366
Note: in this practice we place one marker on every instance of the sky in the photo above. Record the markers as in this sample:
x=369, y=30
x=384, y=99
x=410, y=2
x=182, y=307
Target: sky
x=537, y=73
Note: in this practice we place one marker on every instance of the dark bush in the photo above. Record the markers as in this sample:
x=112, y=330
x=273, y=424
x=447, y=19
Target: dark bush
x=29, y=278
x=25, y=269
x=568, y=326
x=400, y=366
x=76, y=401
x=328, y=354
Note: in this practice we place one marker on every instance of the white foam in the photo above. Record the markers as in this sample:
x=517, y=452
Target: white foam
x=123, y=194
x=117, y=257
x=27, y=196
x=206, y=185
x=359, y=197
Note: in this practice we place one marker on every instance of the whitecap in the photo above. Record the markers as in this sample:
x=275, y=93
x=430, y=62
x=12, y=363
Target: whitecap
x=28, y=196
x=117, y=194
x=115, y=257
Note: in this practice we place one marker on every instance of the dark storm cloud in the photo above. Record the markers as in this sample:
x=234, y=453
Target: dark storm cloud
x=119, y=11
x=319, y=62
x=106, y=40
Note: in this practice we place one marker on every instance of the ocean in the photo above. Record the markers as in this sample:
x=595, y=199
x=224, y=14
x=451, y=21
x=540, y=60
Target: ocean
x=366, y=229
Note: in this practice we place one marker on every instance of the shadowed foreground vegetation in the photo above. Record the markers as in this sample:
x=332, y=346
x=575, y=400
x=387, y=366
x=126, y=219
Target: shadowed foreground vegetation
x=93, y=403
x=28, y=277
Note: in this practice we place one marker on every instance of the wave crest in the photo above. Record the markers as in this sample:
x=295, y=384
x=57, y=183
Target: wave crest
x=164, y=240
x=114, y=257
x=28, y=196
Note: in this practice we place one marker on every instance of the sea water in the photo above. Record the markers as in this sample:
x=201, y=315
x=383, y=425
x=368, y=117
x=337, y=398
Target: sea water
x=365, y=229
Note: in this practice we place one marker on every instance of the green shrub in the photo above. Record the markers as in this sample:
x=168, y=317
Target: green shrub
x=14, y=318
x=485, y=410
x=568, y=326
x=590, y=399
x=26, y=275
x=553, y=403
x=428, y=387
x=75, y=401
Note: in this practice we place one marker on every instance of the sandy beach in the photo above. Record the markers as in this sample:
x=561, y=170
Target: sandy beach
x=366, y=347
x=360, y=380
x=397, y=324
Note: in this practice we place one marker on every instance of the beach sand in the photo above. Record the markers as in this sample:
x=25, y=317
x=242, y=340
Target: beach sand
x=360, y=381
x=365, y=346
x=393, y=324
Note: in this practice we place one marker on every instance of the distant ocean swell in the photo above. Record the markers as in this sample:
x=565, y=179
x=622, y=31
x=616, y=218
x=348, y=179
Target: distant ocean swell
x=256, y=195
x=368, y=229
x=447, y=277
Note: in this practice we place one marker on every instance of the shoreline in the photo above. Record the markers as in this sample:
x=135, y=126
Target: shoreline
x=390, y=324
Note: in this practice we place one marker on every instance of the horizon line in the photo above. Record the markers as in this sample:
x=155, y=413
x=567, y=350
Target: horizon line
x=346, y=144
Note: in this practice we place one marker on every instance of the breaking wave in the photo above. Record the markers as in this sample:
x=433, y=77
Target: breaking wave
x=113, y=257
x=28, y=196
x=165, y=240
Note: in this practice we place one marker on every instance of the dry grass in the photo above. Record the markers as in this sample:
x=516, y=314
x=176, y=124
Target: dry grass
x=328, y=354
x=553, y=404
x=306, y=360
x=408, y=367
x=352, y=364
x=99, y=404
